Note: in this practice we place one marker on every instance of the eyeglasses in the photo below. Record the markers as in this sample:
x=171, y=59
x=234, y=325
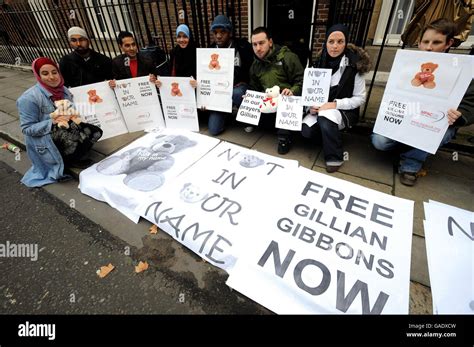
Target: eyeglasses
x=81, y=39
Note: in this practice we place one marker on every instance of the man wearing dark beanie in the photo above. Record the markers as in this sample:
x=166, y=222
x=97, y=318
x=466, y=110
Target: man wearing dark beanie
x=221, y=28
x=83, y=65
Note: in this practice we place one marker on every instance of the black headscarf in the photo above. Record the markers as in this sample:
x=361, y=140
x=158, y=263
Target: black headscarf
x=328, y=62
x=183, y=61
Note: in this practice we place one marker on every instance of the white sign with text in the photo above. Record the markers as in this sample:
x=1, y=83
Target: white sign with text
x=179, y=103
x=421, y=89
x=316, y=86
x=215, y=77
x=289, y=113
x=327, y=246
x=249, y=110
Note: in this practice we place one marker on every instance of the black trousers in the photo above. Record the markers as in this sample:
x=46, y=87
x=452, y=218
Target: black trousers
x=328, y=135
x=267, y=121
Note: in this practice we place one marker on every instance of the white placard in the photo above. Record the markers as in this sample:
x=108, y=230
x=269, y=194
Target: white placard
x=133, y=174
x=138, y=100
x=206, y=206
x=327, y=246
x=97, y=105
x=316, y=86
x=449, y=237
x=179, y=103
x=249, y=110
x=289, y=113
x=215, y=76
x=414, y=108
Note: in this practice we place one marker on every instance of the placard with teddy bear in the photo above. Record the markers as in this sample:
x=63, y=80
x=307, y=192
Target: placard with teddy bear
x=97, y=105
x=421, y=88
x=215, y=77
x=178, y=99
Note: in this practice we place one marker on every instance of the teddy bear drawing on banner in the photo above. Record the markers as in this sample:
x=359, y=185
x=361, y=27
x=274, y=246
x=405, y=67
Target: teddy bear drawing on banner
x=425, y=77
x=270, y=102
x=143, y=167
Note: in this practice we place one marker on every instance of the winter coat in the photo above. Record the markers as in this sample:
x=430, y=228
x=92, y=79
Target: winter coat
x=245, y=51
x=280, y=67
x=466, y=107
x=78, y=72
x=120, y=71
x=358, y=62
x=34, y=107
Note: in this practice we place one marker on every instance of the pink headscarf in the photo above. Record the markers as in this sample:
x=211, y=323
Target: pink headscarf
x=58, y=92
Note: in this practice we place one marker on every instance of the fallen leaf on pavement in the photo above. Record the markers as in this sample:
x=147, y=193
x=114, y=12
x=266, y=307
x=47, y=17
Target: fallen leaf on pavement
x=142, y=266
x=422, y=173
x=105, y=270
x=153, y=229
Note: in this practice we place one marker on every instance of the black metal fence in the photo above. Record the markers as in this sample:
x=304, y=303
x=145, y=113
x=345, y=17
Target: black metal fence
x=32, y=28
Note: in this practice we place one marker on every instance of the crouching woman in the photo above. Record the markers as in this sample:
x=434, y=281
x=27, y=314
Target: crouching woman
x=346, y=95
x=35, y=107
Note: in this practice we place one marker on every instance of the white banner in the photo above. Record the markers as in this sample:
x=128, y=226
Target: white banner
x=324, y=245
x=97, y=105
x=136, y=172
x=289, y=113
x=138, y=100
x=206, y=206
x=449, y=236
x=419, y=92
x=316, y=86
x=215, y=76
x=249, y=110
x=179, y=103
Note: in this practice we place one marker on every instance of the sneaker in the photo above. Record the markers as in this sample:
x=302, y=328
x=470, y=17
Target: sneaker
x=80, y=164
x=249, y=129
x=408, y=178
x=283, y=146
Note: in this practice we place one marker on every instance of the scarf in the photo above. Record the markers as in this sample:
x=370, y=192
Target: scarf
x=57, y=92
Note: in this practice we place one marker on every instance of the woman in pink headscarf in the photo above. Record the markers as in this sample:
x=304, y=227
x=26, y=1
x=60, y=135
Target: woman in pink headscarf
x=48, y=146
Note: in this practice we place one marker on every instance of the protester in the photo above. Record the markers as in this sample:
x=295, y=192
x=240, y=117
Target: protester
x=346, y=95
x=183, y=56
x=274, y=66
x=83, y=65
x=221, y=28
x=35, y=107
x=131, y=63
x=436, y=37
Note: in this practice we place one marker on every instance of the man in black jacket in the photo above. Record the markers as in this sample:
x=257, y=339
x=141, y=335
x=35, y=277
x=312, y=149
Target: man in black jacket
x=243, y=58
x=83, y=65
x=131, y=63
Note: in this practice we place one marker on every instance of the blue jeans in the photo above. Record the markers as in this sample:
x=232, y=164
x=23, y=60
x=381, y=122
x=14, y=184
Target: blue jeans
x=328, y=134
x=411, y=159
x=216, y=123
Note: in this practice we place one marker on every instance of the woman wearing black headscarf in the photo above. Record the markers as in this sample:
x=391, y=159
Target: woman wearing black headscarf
x=183, y=56
x=346, y=95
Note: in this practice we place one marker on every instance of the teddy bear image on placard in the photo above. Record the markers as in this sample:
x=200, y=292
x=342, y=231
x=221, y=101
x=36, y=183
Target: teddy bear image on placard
x=214, y=63
x=64, y=108
x=144, y=166
x=93, y=97
x=270, y=102
x=425, y=77
x=191, y=193
x=175, y=91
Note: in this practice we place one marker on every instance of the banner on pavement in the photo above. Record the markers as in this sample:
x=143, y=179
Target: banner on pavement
x=136, y=172
x=323, y=245
x=449, y=237
x=207, y=205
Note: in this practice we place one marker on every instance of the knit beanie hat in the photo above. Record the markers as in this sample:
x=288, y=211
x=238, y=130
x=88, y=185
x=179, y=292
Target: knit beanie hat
x=223, y=22
x=76, y=31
